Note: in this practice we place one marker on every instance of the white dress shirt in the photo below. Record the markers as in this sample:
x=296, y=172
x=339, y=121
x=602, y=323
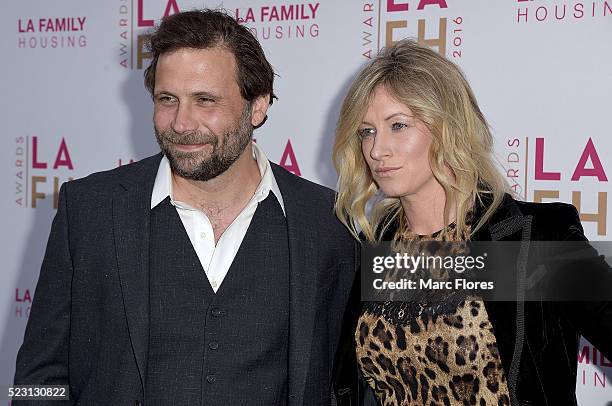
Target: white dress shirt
x=216, y=259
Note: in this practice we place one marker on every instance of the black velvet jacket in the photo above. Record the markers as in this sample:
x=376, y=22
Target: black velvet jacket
x=537, y=341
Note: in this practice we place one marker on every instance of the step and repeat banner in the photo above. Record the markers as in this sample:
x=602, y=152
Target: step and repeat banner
x=74, y=103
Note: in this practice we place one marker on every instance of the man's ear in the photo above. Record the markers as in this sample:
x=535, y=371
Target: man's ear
x=259, y=109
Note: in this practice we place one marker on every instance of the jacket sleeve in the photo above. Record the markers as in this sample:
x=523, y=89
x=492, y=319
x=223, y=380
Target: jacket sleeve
x=43, y=356
x=592, y=319
x=348, y=386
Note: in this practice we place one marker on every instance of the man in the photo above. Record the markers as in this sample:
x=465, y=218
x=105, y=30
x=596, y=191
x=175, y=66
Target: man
x=205, y=276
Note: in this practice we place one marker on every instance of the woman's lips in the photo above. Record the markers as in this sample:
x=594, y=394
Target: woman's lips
x=386, y=170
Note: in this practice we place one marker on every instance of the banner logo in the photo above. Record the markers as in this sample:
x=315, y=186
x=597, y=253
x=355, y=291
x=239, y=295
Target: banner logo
x=282, y=21
x=580, y=177
x=41, y=165
x=597, y=377
x=23, y=303
x=430, y=22
x=539, y=11
x=52, y=32
x=135, y=20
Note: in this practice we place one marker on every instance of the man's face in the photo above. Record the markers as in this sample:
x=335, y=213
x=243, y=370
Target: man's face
x=202, y=123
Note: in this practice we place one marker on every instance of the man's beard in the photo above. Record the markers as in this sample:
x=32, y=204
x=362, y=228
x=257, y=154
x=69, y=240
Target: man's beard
x=225, y=149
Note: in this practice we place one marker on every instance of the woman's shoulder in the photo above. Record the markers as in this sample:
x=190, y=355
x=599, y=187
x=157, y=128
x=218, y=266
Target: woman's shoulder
x=552, y=221
x=549, y=210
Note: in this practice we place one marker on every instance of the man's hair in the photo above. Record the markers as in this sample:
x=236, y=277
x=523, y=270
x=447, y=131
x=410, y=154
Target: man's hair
x=202, y=29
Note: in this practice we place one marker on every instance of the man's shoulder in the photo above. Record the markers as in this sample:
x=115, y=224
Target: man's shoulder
x=306, y=189
x=104, y=181
x=316, y=204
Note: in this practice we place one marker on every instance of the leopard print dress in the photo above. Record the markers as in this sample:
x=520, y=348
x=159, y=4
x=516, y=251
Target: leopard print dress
x=411, y=353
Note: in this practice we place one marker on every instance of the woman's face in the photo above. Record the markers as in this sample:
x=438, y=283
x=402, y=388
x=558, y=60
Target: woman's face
x=396, y=145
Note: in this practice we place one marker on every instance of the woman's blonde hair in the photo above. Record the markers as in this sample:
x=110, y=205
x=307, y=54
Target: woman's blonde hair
x=461, y=152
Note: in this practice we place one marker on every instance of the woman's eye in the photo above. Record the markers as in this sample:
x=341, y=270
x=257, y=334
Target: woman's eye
x=366, y=132
x=398, y=126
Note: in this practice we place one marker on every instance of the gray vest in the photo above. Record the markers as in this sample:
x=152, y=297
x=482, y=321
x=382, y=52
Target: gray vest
x=228, y=348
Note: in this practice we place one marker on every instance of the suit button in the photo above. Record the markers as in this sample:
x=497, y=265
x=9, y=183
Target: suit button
x=216, y=312
x=211, y=378
x=213, y=345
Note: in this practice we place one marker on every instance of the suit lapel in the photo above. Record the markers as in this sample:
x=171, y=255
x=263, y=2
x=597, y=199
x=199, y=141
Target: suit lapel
x=509, y=224
x=303, y=281
x=131, y=212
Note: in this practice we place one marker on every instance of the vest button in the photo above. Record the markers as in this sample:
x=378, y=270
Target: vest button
x=216, y=312
x=211, y=378
x=213, y=345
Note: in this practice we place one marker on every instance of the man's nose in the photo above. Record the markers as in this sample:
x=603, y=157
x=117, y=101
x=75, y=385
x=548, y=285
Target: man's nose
x=184, y=120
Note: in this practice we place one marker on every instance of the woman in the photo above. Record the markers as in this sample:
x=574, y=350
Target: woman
x=412, y=142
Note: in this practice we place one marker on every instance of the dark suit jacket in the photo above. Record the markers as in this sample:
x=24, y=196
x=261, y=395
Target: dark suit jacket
x=537, y=341
x=89, y=322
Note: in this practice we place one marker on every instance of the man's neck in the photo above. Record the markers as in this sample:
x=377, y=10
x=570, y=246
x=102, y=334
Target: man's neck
x=223, y=197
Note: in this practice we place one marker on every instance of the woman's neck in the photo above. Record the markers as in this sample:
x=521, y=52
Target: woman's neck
x=425, y=210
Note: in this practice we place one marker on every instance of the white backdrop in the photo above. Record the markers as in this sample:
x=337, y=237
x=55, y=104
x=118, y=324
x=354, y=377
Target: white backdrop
x=74, y=103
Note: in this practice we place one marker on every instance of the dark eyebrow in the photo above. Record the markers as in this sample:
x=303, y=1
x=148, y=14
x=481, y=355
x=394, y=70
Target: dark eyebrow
x=160, y=92
x=207, y=95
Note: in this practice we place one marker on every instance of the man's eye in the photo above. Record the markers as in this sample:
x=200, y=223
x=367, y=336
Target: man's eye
x=398, y=126
x=165, y=99
x=205, y=100
x=366, y=132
